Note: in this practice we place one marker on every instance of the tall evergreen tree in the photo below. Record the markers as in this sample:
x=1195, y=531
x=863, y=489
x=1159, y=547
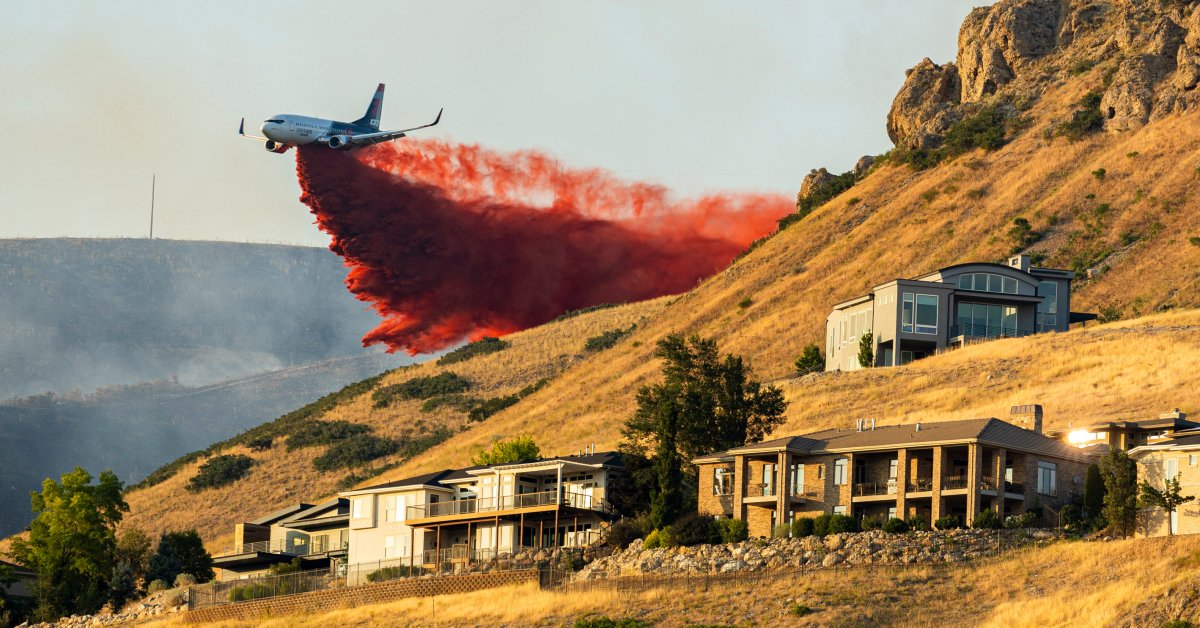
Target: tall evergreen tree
x=1120, y=491
x=866, y=350
x=1093, y=492
x=71, y=542
x=180, y=552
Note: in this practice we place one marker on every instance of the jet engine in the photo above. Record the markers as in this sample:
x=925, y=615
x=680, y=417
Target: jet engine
x=276, y=147
x=341, y=142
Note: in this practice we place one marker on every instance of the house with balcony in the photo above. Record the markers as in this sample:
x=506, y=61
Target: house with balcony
x=318, y=535
x=913, y=318
x=926, y=470
x=1099, y=438
x=1176, y=457
x=481, y=512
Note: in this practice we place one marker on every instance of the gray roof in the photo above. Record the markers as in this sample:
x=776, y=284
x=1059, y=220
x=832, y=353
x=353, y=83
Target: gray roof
x=282, y=513
x=988, y=431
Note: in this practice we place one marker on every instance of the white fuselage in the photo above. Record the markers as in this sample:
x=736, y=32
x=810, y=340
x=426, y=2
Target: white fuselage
x=300, y=130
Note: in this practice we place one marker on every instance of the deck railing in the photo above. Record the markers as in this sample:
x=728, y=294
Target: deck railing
x=920, y=485
x=287, y=547
x=868, y=489
x=954, y=481
x=506, y=502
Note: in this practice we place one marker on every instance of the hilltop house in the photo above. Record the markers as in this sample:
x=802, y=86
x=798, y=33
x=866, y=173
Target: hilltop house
x=480, y=512
x=927, y=470
x=1098, y=438
x=912, y=318
x=317, y=535
x=1175, y=457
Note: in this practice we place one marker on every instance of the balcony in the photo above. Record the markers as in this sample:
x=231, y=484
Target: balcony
x=526, y=501
x=954, y=482
x=988, y=332
x=1014, y=487
x=919, y=485
x=774, y=490
x=872, y=489
x=287, y=547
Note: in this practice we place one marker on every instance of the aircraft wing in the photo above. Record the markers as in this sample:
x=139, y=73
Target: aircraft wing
x=242, y=132
x=385, y=136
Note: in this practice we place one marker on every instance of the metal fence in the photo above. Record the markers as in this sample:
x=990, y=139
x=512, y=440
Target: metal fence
x=233, y=591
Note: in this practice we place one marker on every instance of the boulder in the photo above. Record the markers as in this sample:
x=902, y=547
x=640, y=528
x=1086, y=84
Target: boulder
x=815, y=181
x=996, y=42
x=924, y=107
x=833, y=558
x=1128, y=103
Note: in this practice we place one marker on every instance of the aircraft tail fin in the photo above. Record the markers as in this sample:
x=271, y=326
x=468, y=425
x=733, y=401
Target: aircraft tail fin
x=374, y=110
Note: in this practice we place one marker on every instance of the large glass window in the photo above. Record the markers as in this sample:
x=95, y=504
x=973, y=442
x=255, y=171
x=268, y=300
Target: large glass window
x=796, y=479
x=906, y=319
x=982, y=320
x=1047, y=311
x=722, y=481
x=839, y=471
x=987, y=282
x=927, y=314
x=1047, y=478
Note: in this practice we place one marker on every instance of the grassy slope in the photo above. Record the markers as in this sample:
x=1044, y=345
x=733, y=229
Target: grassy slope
x=903, y=224
x=1063, y=584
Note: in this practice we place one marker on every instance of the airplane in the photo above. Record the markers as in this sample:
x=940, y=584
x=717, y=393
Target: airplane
x=284, y=131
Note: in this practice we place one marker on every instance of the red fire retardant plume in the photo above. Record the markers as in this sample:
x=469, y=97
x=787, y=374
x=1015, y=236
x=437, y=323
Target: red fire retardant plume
x=451, y=241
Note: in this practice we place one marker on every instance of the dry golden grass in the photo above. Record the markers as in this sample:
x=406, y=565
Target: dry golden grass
x=1133, y=582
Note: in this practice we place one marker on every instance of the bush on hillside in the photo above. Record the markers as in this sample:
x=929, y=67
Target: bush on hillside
x=653, y=540
x=626, y=531
x=987, y=520
x=732, y=530
x=818, y=197
x=947, y=522
x=1023, y=520
x=987, y=128
x=355, y=451
x=802, y=527
x=1086, y=118
x=603, y=621
x=315, y=433
x=485, y=408
x=820, y=525
x=694, y=529
x=446, y=383
x=220, y=471
x=262, y=443
x=842, y=523
x=917, y=522
x=483, y=346
x=390, y=573
x=462, y=403
x=895, y=525
x=870, y=523
x=607, y=339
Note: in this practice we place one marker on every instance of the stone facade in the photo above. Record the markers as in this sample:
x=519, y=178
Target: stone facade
x=863, y=548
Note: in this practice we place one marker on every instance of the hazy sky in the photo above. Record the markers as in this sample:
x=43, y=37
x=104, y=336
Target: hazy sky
x=699, y=96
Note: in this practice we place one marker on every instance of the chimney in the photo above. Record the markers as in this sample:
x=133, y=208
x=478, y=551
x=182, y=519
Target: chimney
x=858, y=425
x=872, y=425
x=1027, y=416
x=1020, y=262
x=1173, y=414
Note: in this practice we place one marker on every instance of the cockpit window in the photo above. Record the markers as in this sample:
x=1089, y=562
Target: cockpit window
x=275, y=120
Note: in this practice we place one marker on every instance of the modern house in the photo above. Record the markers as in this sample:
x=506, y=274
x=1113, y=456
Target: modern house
x=912, y=318
x=318, y=535
x=927, y=470
x=1175, y=457
x=481, y=512
x=1125, y=434
x=24, y=583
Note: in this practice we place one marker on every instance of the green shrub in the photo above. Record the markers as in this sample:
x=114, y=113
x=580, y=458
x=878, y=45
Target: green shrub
x=1023, y=520
x=315, y=433
x=802, y=527
x=445, y=383
x=355, y=451
x=261, y=443
x=184, y=580
x=840, y=183
x=485, y=408
x=1194, y=240
x=603, y=621
x=462, y=403
x=157, y=585
x=781, y=531
x=987, y=520
x=220, y=471
x=917, y=522
x=1086, y=118
x=1022, y=234
x=1111, y=312
x=607, y=339
x=625, y=531
x=732, y=530
x=1099, y=174
x=694, y=529
x=799, y=610
x=653, y=540
x=810, y=361
x=895, y=525
x=250, y=592
x=389, y=573
x=871, y=523
x=1178, y=623
x=842, y=523
x=745, y=302
x=820, y=525
x=947, y=522
x=986, y=129
x=483, y=346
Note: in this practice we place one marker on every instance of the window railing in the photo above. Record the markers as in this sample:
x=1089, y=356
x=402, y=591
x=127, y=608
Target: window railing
x=288, y=547
x=1014, y=487
x=954, y=482
x=506, y=502
x=867, y=489
x=988, y=331
x=762, y=490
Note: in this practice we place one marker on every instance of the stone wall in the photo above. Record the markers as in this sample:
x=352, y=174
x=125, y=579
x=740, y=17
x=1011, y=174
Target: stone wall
x=358, y=596
x=861, y=548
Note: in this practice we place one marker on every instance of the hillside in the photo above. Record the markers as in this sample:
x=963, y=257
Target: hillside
x=82, y=314
x=1118, y=204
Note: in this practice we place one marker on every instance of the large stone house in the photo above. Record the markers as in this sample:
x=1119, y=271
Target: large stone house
x=927, y=470
x=912, y=318
x=1176, y=457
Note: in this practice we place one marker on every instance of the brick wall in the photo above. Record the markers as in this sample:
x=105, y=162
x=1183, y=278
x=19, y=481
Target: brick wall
x=358, y=596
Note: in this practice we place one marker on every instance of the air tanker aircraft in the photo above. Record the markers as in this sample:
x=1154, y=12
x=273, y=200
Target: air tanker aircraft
x=287, y=130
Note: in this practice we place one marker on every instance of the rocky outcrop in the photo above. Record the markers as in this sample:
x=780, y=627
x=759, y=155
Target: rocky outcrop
x=815, y=181
x=1128, y=102
x=863, y=548
x=925, y=106
x=864, y=165
x=996, y=42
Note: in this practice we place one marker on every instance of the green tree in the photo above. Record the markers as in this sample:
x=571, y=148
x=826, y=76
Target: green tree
x=131, y=557
x=1093, y=492
x=866, y=350
x=1168, y=498
x=1120, y=491
x=704, y=404
x=71, y=542
x=180, y=552
x=810, y=361
x=513, y=450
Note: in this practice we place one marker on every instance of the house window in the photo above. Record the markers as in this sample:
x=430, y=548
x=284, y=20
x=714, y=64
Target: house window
x=358, y=507
x=920, y=313
x=1047, y=309
x=1172, y=469
x=892, y=512
x=980, y=320
x=768, y=480
x=987, y=282
x=389, y=508
x=839, y=471
x=1047, y=478
x=1192, y=460
x=821, y=472
x=394, y=546
x=796, y=478
x=722, y=481
x=839, y=510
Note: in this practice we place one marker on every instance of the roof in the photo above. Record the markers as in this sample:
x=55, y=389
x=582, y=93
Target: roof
x=278, y=515
x=1180, y=424
x=1183, y=441
x=17, y=569
x=988, y=431
x=437, y=479
x=330, y=511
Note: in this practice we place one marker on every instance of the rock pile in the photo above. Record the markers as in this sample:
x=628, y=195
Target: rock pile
x=861, y=548
x=134, y=614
